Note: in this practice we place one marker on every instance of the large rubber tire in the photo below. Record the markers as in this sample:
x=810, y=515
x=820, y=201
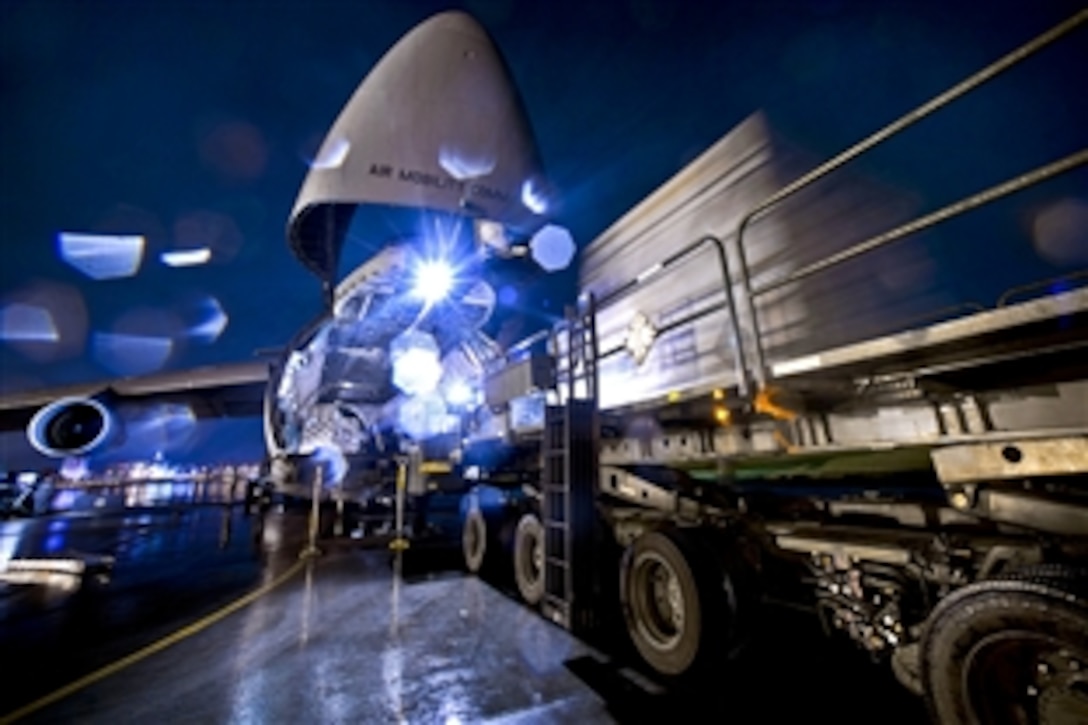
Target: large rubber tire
x=668, y=602
x=529, y=558
x=1009, y=650
x=474, y=540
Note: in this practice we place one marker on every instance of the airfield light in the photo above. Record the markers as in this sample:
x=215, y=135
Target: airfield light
x=434, y=280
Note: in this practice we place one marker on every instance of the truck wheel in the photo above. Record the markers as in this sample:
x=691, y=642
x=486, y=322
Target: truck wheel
x=661, y=602
x=1009, y=650
x=529, y=558
x=474, y=540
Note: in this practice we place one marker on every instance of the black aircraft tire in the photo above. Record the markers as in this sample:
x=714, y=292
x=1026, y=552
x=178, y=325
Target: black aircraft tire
x=662, y=604
x=529, y=558
x=474, y=540
x=1000, y=650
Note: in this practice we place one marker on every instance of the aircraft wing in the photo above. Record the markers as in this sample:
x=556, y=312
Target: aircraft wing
x=229, y=390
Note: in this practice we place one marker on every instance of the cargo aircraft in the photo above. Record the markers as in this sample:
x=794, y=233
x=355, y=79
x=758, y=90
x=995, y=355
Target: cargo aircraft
x=432, y=169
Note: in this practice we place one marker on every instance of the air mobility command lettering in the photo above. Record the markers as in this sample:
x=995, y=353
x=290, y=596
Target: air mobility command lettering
x=436, y=181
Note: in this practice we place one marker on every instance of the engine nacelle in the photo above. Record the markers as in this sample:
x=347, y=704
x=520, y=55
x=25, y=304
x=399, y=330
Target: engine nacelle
x=72, y=427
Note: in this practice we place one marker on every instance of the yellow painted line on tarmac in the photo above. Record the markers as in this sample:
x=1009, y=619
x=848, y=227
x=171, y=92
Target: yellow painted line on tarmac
x=168, y=641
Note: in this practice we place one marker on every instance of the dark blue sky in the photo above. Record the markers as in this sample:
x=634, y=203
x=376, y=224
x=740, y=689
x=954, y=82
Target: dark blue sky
x=193, y=120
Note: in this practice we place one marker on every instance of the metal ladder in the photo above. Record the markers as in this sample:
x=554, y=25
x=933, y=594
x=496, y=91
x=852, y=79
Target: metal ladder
x=570, y=475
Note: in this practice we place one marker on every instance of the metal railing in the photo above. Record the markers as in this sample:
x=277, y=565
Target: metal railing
x=936, y=103
x=729, y=302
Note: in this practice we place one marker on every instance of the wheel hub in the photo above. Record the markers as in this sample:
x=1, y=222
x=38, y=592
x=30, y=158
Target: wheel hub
x=1027, y=677
x=661, y=599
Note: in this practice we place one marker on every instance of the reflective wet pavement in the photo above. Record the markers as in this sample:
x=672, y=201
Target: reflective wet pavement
x=346, y=640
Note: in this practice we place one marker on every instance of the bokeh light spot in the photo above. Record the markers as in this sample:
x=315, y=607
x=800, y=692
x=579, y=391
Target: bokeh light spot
x=532, y=196
x=508, y=295
x=423, y=416
x=203, y=229
x=416, y=366
x=102, y=256
x=1060, y=232
x=27, y=323
x=141, y=341
x=463, y=166
x=186, y=257
x=131, y=354
x=45, y=321
x=553, y=248
x=235, y=149
x=213, y=323
x=333, y=154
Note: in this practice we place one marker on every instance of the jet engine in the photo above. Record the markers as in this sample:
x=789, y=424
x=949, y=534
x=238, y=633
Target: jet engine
x=72, y=427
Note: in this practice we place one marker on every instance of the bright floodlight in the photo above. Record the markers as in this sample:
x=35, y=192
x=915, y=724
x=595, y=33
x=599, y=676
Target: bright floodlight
x=553, y=248
x=434, y=280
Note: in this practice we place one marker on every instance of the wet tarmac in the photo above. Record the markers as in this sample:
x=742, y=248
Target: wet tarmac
x=353, y=635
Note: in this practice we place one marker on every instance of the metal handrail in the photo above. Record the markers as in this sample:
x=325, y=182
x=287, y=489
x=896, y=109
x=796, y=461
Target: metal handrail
x=934, y=104
x=994, y=192
x=743, y=381
x=1012, y=292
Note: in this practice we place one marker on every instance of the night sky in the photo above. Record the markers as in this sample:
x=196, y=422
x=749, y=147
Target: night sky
x=192, y=122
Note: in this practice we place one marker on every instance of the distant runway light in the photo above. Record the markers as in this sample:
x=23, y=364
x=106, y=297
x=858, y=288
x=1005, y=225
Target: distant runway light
x=186, y=257
x=332, y=155
x=462, y=166
x=532, y=196
x=102, y=256
x=27, y=323
x=553, y=248
x=131, y=354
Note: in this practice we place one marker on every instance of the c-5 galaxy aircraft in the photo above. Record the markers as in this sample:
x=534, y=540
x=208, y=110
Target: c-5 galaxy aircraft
x=435, y=152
